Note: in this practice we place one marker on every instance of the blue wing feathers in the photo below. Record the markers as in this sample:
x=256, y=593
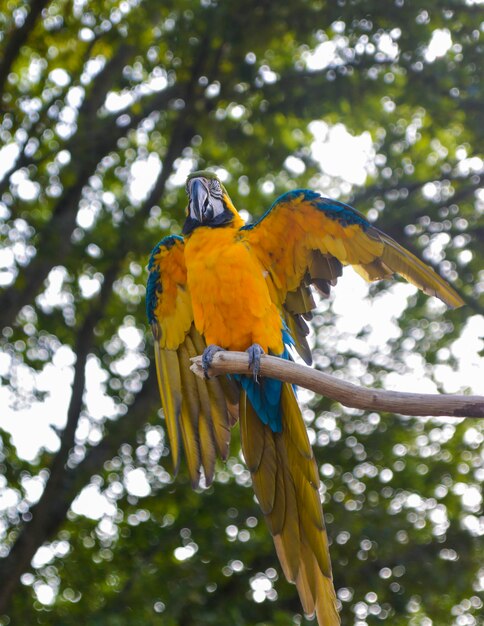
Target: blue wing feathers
x=343, y=213
x=154, y=286
x=166, y=242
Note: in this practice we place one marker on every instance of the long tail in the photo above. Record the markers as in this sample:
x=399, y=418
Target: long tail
x=286, y=481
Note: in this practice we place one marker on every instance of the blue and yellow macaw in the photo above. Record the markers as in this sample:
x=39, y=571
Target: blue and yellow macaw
x=228, y=285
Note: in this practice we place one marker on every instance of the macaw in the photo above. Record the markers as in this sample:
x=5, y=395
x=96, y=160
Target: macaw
x=235, y=286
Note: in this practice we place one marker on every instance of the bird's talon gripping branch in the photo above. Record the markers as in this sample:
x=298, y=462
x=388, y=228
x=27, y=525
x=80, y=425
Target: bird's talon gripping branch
x=255, y=352
x=207, y=357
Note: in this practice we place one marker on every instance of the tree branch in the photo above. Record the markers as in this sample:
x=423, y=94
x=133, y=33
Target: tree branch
x=17, y=39
x=348, y=394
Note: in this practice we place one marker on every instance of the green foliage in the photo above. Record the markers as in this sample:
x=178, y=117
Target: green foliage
x=90, y=92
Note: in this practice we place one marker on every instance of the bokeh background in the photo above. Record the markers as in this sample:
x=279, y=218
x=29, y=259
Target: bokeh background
x=105, y=107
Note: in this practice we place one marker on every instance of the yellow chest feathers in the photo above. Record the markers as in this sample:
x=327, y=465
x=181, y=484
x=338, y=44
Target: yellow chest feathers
x=231, y=302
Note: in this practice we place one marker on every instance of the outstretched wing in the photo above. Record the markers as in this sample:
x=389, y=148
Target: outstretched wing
x=199, y=414
x=305, y=239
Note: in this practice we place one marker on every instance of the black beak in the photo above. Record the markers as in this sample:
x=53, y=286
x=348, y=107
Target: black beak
x=199, y=199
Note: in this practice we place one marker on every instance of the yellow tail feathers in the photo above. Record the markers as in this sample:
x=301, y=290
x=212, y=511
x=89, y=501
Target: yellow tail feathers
x=285, y=480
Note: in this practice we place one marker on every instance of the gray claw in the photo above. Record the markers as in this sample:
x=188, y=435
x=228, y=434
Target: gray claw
x=255, y=352
x=207, y=357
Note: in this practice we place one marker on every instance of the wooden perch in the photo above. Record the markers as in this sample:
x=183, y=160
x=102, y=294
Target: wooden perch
x=348, y=394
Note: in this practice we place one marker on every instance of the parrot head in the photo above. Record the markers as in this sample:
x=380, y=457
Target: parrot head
x=208, y=203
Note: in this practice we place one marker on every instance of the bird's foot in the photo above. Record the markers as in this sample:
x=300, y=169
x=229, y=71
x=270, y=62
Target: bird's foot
x=255, y=352
x=207, y=357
